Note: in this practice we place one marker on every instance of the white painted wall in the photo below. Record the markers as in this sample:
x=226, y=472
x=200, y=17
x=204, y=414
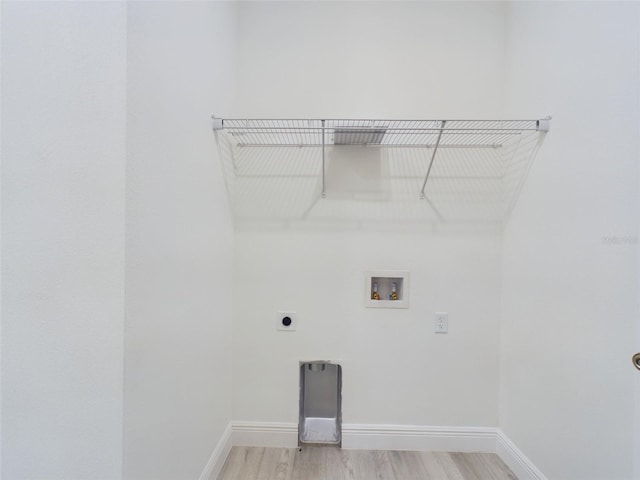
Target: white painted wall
x=179, y=239
x=1, y=243
x=65, y=110
x=637, y=382
x=570, y=278
x=637, y=347
x=395, y=369
x=408, y=60
x=63, y=180
x=370, y=59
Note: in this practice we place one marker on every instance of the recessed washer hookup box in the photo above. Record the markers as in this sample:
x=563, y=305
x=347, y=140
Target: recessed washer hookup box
x=320, y=421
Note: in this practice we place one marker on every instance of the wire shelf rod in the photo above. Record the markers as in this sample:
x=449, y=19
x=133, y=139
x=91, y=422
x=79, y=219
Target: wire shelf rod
x=378, y=120
x=290, y=129
x=374, y=145
x=433, y=157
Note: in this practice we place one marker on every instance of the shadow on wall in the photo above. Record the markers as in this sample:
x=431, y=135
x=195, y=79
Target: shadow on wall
x=375, y=187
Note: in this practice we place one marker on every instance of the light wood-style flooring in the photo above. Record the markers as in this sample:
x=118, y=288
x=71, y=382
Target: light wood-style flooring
x=329, y=463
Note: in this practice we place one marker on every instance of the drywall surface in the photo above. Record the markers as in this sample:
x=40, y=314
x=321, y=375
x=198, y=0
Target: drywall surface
x=570, y=277
x=364, y=60
x=63, y=176
x=0, y=244
x=179, y=239
x=637, y=381
x=396, y=370
x=370, y=60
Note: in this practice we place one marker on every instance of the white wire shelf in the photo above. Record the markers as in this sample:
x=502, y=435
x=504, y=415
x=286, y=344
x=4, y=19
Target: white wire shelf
x=382, y=133
x=458, y=166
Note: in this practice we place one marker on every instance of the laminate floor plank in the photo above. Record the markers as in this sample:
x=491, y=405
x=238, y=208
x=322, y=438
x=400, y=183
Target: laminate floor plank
x=244, y=465
x=481, y=466
x=466, y=468
x=330, y=463
x=277, y=464
x=382, y=465
x=372, y=465
x=232, y=465
x=310, y=463
x=497, y=468
x=340, y=464
x=440, y=465
x=407, y=465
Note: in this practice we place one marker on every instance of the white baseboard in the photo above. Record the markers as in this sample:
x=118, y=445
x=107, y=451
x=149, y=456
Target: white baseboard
x=373, y=437
x=397, y=437
x=265, y=434
x=517, y=461
x=418, y=437
x=219, y=455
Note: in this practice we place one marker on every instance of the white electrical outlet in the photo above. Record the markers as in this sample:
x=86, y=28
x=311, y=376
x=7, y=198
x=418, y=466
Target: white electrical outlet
x=441, y=322
x=287, y=321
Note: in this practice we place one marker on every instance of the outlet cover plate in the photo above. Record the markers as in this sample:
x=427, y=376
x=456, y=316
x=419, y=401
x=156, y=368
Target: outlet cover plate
x=441, y=322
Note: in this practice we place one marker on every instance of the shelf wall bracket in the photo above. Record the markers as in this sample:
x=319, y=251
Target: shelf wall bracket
x=544, y=124
x=217, y=123
x=433, y=157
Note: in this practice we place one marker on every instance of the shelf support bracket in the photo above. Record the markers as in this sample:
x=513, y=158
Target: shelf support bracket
x=218, y=123
x=433, y=157
x=544, y=124
x=324, y=193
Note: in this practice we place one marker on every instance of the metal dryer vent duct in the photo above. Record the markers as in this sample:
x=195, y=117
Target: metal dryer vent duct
x=358, y=136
